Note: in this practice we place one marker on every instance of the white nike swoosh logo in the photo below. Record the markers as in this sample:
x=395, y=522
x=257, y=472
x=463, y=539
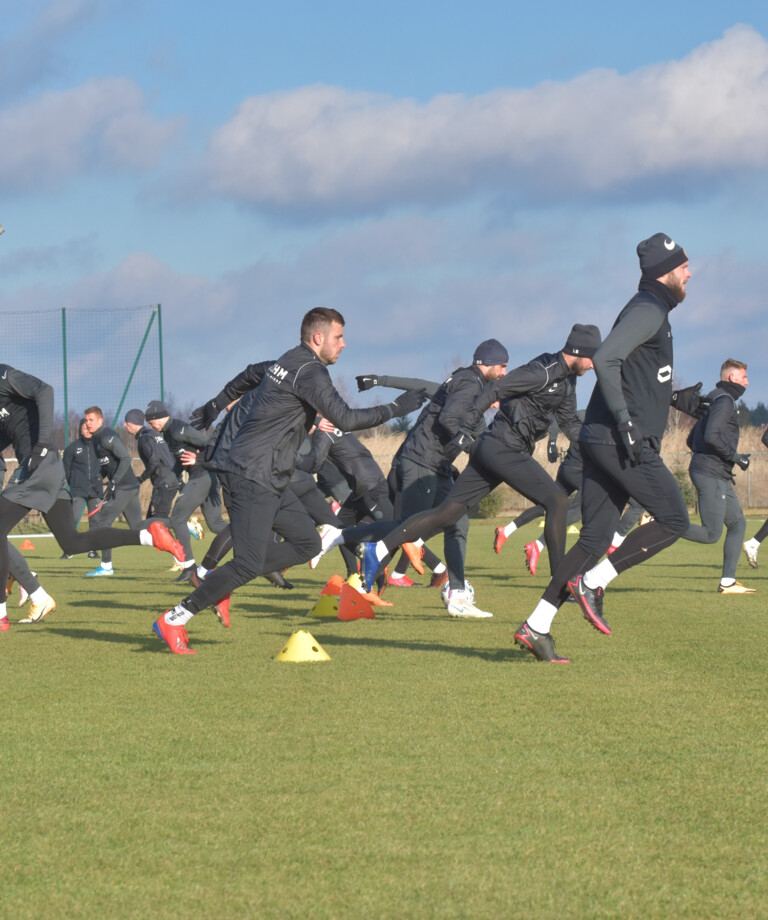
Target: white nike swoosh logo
x=630, y=438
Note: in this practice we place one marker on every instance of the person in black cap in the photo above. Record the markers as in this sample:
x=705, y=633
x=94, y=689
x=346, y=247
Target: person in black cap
x=158, y=462
x=423, y=465
x=620, y=443
x=530, y=396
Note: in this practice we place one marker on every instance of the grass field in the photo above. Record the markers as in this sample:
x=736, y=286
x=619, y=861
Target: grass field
x=429, y=770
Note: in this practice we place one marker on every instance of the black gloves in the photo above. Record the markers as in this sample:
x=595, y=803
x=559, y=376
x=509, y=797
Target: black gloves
x=366, y=382
x=459, y=442
x=690, y=401
x=204, y=416
x=632, y=441
x=552, y=451
x=110, y=490
x=38, y=452
x=410, y=401
x=742, y=461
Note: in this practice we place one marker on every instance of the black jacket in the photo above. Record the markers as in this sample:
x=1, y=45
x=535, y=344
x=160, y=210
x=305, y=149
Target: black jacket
x=351, y=458
x=295, y=389
x=181, y=436
x=531, y=397
x=82, y=469
x=26, y=412
x=714, y=439
x=114, y=459
x=429, y=442
x=634, y=368
x=156, y=456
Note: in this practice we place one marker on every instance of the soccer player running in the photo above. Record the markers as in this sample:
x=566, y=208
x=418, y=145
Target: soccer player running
x=26, y=422
x=158, y=462
x=714, y=441
x=620, y=443
x=531, y=396
x=262, y=457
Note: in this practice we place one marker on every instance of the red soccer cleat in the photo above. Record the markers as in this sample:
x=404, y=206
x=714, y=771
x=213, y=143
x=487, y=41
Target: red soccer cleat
x=164, y=541
x=175, y=637
x=532, y=553
x=401, y=581
x=500, y=539
x=222, y=610
x=5, y=624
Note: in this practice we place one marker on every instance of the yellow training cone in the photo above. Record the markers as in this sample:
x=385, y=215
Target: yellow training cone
x=327, y=606
x=303, y=647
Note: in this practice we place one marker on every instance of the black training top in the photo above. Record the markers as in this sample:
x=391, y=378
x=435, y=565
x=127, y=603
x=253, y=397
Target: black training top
x=26, y=412
x=634, y=368
x=296, y=388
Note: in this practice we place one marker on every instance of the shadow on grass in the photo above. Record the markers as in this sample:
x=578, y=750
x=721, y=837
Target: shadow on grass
x=149, y=643
x=462, y=651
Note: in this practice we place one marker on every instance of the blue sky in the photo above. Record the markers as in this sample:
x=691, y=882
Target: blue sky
x=440, y=173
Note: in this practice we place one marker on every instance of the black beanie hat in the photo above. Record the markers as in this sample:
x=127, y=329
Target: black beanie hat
x=583, y=341
x=658, y=255
x=134, y=416
x=490, y=352
x=155, y=409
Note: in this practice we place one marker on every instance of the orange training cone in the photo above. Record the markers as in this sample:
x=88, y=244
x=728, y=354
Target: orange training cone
x=27, y=544
x=353, y=606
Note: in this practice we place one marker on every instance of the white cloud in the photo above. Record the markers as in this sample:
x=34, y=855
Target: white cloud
x=101, y=124
x=31, y=55
x=327, y=149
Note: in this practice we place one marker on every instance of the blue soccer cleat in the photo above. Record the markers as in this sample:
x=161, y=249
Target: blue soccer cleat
x=369, y=564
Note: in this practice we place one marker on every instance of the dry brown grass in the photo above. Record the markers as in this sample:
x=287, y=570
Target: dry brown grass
x=751, y=486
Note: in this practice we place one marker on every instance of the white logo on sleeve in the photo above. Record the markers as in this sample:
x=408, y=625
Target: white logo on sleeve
x=665, y=374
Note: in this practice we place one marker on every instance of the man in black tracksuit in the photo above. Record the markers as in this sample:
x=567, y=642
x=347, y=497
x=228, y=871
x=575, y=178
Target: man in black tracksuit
x=530, y=397
x=262, y=457
x=714, y=441
x=158, y=462
x=26, y=423
x=83, y=472
x=181, y=436
x=423, y=464
x=752, y=545
x=620, y=443
x=121, y=494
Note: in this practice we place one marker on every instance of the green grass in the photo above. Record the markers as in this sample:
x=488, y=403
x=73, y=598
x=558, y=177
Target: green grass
x=430, y=769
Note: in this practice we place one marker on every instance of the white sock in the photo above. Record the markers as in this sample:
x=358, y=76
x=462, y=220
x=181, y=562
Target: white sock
x=3, y=611
x=179, y=616
x=617, y=539
x=601, y=575
x=145, y=538
x=540, y=544
x=106, y=565
x=510, y=529
x=439, y=568
x=727, y=582
x=381, y=550
x=188, y=564
x=752, y=544
x=38, y=596
x=202, y=572
x=540, y=620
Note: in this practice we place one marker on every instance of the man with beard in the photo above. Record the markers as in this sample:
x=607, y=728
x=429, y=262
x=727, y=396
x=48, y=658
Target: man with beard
x=620, y=443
